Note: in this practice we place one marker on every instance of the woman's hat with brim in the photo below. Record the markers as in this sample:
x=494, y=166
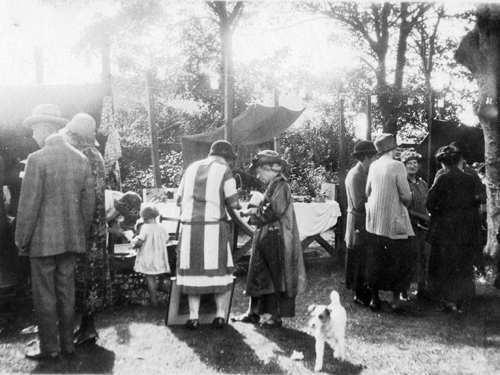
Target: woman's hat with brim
x=408, y=155
x=82, y=129
x=267, y=157
x=223, y=149
x=385, y=142
x=129, y=206
x=46, y=113
x=363, y=148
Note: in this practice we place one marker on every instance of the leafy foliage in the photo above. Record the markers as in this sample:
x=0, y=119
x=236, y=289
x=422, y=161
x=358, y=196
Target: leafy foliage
x=180, y=45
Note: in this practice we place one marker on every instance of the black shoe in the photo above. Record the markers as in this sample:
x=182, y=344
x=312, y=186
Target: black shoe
x=251, y=318
x=192, y=324
x=360, y=302
x=404, y=296
x=86, y=338
x=218, y=323
x=271, y=323
x=43, y=357
x=375, y=305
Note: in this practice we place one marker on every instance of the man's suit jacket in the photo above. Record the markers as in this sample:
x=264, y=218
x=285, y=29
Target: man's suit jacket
x=57, y=201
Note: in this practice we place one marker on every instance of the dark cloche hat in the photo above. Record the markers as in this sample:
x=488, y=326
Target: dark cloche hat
x=364, y=148
x=224, y=149
x=129, y=206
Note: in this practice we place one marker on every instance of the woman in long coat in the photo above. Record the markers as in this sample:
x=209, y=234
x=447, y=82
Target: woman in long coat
x=276, y=272
x=92, y=276
x=453, y=204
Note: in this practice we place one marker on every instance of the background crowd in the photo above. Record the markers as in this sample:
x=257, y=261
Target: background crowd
x=398, y=232
x=401, y=232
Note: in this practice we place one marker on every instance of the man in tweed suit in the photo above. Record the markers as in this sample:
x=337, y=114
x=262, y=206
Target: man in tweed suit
x=53, y=219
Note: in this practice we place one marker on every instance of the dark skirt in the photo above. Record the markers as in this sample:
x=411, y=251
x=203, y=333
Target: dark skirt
x=265, y=277
x=388, y=263
x=451, y=274
x=422, y=253
x=355, y=268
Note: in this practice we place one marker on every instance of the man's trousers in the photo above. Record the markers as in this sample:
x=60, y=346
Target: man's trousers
x=53, y=288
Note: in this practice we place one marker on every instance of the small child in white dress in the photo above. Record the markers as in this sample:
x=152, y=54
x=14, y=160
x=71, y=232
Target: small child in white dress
x=152, y=257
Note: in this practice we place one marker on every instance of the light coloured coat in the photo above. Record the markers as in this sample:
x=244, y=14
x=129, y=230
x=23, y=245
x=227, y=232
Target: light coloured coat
x=57, y=201
x=388, y=195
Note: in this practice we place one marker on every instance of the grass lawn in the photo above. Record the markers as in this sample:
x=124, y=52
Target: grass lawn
x=420, y=340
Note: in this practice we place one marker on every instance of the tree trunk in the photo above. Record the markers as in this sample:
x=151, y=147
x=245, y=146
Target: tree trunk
x=479, y=51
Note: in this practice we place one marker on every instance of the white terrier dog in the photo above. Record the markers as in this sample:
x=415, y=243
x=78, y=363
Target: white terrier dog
x=327, y=324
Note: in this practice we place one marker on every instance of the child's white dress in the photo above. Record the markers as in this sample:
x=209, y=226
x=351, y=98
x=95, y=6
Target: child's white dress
x=152, y=257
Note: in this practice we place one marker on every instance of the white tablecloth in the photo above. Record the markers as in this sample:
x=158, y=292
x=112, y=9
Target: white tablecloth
x=315, y=218
x=312, y=218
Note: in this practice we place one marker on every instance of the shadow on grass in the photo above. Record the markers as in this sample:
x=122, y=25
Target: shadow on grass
x=225, y=350
x=290, y=340
x=90, y=359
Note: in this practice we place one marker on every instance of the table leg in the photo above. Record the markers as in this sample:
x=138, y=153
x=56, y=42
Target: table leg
x=324, y=244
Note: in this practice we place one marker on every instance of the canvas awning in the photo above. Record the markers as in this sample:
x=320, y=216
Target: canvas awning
x=257, y=124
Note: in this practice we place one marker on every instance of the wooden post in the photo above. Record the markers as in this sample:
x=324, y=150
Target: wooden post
x=228, y=88
x=106, y=65
x=277, y=143
x=368, y=117
x=342, y=176
x=39, y=65
x=155, y=155
x=429, y=138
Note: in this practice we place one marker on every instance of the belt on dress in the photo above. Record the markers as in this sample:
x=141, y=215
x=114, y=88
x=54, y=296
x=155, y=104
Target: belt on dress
x=204, y=222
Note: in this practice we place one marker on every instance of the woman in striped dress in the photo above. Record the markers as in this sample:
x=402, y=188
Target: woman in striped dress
x=204, y=261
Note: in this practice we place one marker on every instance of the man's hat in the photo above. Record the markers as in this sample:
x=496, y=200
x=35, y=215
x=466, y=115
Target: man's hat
x=224, y=149
x=385, y=142
x=363, y=148
x=46, y=113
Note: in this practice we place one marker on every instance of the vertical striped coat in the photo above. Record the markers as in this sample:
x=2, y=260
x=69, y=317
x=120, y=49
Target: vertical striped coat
x=204, y=260
x=388, y=193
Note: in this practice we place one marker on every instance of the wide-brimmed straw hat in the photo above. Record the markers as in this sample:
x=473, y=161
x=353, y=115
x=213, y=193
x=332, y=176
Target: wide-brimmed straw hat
x=363, y=148
x=385, y=142
x=266, y=157
x=82, y=129
x=223, y=149
x=46, y=113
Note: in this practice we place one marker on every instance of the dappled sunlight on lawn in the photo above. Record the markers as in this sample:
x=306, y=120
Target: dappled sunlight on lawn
x=134, y=339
